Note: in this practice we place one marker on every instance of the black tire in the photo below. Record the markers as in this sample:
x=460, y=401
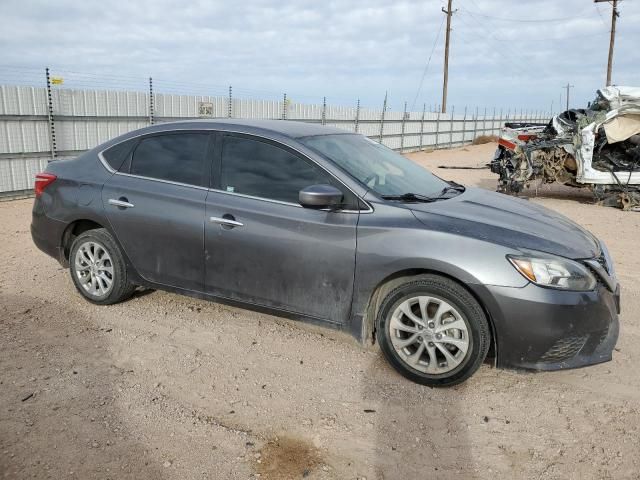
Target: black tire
x=121, y=288
x=479, y=336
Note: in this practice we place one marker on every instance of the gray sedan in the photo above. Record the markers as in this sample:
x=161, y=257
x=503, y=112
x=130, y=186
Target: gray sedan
x=329, y=227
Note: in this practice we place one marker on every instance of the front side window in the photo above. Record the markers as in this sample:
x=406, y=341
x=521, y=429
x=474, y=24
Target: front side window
x=260, y=169
x=376, y=166
x=176, y=157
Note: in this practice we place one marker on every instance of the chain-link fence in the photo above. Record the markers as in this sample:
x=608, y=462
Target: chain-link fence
x=74, y=112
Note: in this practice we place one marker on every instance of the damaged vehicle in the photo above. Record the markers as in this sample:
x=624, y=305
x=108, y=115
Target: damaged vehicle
x=596, y=148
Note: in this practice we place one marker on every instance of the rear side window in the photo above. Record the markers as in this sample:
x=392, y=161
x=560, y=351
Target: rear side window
x=263, y=170
x=116, y=155
x=177, y=157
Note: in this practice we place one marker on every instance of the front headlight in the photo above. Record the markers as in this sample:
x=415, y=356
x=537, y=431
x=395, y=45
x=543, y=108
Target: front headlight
x=554, y=272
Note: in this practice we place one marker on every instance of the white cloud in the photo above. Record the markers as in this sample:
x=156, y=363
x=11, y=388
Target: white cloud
x=342, y=49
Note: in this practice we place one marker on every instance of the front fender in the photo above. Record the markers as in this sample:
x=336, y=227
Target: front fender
x=393, y=242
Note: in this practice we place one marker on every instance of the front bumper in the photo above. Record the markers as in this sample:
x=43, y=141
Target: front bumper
x=544, y=329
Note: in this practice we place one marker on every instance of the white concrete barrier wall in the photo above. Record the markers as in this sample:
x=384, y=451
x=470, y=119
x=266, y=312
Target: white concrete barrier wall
x=83, y=119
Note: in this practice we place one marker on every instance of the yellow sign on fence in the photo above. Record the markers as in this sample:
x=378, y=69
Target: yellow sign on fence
x=57, y=80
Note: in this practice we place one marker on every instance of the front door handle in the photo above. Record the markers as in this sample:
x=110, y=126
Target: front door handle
x=120, y=203
x=227, y=221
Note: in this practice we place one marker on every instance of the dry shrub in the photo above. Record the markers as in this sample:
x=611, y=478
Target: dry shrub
x=482, y=139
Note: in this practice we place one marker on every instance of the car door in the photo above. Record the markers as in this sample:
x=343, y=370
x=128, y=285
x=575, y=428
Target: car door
x=156, y=207
x=262, y=247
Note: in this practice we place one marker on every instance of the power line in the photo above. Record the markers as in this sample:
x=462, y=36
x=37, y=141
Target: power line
x=600, y=14
x=473, y=43
x=426, y=67
x=515, y=20
x=503, y=46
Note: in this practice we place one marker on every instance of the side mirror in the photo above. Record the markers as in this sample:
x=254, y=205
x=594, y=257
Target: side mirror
x=320, y=196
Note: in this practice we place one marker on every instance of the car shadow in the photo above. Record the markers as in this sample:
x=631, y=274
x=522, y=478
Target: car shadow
x=420, y=432
x=61, y=417
x=140, y=292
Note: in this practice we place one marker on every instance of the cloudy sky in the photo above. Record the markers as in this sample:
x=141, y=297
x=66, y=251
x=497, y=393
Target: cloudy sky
x=503, y=53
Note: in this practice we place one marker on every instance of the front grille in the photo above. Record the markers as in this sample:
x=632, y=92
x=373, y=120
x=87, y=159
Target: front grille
x=564, y=348
x=595, y=340
x=570, y=346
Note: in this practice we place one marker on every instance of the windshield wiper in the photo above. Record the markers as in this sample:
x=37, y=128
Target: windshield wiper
x=455, y=186
x=452, y=187
x=417, y=197
x=411, y=197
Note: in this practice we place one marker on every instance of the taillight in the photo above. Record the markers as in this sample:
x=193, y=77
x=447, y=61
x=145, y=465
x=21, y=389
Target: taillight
x=43, y=180
x=526, y=138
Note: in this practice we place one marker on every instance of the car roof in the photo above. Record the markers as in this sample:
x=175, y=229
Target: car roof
x=286, y=128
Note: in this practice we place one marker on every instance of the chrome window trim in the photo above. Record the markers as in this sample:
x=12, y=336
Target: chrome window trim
x=171, y=182
x=252, y=197
x=111, y=170
x=103, y=160
x=282, y=202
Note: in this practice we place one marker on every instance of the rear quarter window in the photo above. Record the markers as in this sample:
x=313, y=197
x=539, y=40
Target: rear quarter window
x=116, y=155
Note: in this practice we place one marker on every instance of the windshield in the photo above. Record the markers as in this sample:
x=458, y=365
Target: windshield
x=378, y=167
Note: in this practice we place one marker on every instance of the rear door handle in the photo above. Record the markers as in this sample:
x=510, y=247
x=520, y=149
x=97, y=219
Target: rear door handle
x=228, y=222
x=121, y=203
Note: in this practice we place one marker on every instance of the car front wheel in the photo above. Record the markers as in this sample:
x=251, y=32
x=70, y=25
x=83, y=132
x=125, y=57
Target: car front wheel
x=433, y=331
x=98, y=269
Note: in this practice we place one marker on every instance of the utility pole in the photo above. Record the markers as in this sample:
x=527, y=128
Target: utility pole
x=449, y=12
x=614, y=15
x=568, y=87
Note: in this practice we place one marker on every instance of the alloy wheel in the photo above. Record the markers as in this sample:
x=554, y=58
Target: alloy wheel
x=93, y=268
x=429, y=334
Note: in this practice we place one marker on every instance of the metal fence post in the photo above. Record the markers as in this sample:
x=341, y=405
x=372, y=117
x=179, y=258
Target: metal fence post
x=284, y=107
x=499, y=122
x=230, y=106
x=464, y=125
x=475, y=126
x=384, y=108
x=357, y=123
x=152, y=119
x=424, y=110
x=52, y=126
x=437, y=128
x=484, y=120
x=404, y=116
x=451, y=126
x=493, y=121
x=324, y=110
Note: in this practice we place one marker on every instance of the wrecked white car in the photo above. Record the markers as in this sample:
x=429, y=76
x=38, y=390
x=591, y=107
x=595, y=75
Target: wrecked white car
x=596, y=148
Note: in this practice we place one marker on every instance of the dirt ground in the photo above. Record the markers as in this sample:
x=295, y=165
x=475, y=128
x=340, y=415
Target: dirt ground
x=168, y=387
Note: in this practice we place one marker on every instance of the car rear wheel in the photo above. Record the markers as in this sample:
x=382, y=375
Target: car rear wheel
x=98, y=269
x=433, y=331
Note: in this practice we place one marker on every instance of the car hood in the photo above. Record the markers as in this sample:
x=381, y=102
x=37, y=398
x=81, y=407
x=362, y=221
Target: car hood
x=509, y=221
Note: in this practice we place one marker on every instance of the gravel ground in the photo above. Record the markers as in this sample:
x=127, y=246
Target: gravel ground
x=168, y=387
